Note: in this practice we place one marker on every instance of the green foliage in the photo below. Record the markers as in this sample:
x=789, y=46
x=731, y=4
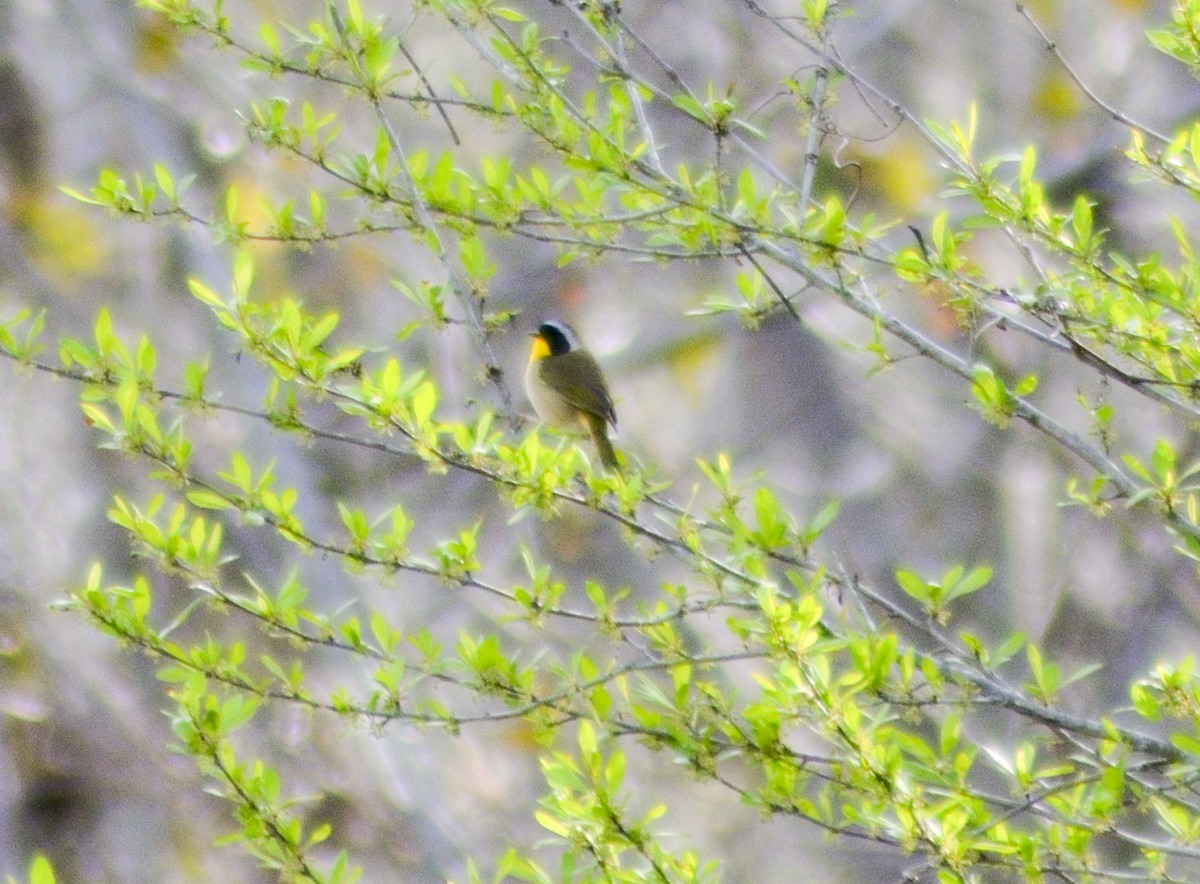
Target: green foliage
x=40, y=872
x=863, y=721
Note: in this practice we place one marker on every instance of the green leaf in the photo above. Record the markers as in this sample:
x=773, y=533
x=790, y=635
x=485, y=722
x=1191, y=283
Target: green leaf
x=913, y=585
x=208, y=500
x=972, y=582
x=1008, y=649
x=40, y=871
x=1188, y=744
x=552, y=824
x=506, y=13
x=423, y=403
x=96, y=417
x=1081, y=220
x=203, y=293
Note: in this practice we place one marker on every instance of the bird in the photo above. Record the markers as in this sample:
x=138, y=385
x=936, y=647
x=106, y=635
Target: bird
x=567, y=389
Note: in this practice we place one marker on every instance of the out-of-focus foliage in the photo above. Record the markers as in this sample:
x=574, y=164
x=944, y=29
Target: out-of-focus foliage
x=883, y=712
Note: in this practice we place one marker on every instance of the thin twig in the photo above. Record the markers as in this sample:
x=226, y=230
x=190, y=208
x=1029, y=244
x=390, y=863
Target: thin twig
x=1083, y=87
x=437, y=102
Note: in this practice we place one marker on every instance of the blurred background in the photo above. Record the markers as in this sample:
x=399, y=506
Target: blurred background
x=86, y=775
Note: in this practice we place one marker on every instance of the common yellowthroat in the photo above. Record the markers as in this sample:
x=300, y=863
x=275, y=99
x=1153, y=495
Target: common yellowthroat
x=567, y=389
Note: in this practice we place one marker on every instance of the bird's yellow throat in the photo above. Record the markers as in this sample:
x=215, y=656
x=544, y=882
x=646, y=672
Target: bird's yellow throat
x=539, y=350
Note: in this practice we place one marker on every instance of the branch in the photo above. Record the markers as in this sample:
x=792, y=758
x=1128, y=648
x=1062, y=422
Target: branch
x=1052, y=47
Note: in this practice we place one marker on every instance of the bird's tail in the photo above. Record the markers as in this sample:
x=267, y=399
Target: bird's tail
x=599, y=434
